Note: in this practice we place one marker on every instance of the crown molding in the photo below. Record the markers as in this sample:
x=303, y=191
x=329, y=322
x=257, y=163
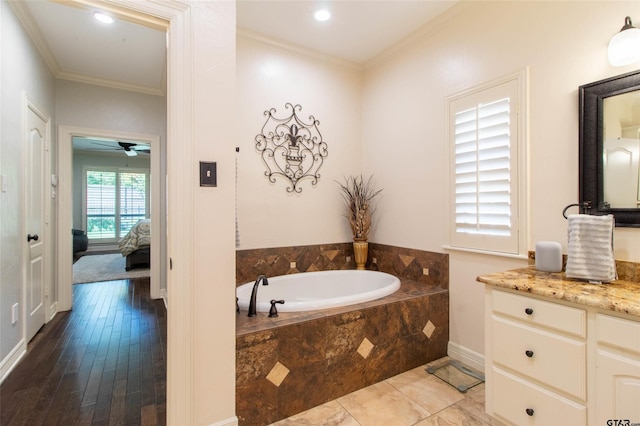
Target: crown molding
x=81, y=78
x=29, y=24
x=291, y=48
x=427, y=30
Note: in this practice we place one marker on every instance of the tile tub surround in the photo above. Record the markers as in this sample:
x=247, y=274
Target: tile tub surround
x=417, y=265
x=300, y=360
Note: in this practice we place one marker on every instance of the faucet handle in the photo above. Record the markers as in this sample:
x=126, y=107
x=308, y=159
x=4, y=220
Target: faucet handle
x=273, y=312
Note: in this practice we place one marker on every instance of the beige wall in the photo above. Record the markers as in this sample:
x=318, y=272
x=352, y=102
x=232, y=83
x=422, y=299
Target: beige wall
x=389, y=120
x=213, y=260
x=564, y=44
x=23, y=71
x=269, y=77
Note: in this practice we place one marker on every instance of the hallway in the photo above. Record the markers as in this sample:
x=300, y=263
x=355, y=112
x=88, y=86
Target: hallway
x=103, y=363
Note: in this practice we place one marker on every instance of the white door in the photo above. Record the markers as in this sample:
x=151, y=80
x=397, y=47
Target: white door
x=36, y=141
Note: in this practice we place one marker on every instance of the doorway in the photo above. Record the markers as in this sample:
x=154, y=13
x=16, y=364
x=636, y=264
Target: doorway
x=65, y=167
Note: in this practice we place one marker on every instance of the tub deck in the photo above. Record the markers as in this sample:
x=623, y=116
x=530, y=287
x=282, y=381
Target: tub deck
x=299, y=360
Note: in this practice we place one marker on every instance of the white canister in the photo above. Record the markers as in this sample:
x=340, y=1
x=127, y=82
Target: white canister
x=548, y=256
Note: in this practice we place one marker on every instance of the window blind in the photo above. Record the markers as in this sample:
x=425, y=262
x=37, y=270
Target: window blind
x=133, y=200
x=482, y=169
x=101, y=204
x=487, y=146
x=115, y=201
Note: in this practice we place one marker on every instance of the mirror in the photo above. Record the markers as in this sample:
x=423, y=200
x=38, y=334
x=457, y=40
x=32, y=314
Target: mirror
x=610, y=148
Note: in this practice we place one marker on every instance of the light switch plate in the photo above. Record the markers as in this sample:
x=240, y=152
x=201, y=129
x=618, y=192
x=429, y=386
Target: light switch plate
x=208, y=174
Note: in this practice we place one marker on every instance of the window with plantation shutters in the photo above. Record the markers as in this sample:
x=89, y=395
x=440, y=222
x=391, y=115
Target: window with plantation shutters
x=485, y=132
x=114, y=201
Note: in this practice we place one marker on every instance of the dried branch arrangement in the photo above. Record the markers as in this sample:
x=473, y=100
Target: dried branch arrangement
x=358, y=195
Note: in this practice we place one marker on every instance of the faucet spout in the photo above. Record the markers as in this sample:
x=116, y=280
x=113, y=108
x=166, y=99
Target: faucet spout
x=254, y=294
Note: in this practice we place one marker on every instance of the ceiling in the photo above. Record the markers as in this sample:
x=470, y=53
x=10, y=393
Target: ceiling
x=357, y=31
x=101, y=146
x=133, y=57
x=77, y=47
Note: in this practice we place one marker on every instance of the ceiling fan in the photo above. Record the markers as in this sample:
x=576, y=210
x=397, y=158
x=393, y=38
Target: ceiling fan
x=130, y=149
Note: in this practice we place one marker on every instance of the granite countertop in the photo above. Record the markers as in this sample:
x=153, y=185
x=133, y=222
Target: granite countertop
x=619, y=296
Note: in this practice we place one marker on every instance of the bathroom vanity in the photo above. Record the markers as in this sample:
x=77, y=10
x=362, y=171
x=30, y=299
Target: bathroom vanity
x=561, y=351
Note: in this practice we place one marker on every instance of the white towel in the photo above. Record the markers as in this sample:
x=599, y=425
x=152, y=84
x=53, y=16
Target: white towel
x=590, y=250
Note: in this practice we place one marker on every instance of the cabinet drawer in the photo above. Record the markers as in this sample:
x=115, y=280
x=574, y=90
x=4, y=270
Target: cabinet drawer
x=546, y=357
x=538, y=312
x=618, y=332
x=524, y=403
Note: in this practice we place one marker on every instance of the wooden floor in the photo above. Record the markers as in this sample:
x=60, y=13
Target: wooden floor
x=102, y=363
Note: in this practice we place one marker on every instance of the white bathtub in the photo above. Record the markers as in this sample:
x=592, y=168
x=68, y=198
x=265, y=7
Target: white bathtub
x=309, y=291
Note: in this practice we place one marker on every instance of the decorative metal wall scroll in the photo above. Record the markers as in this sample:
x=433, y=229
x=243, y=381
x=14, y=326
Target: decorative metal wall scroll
x=291, y=148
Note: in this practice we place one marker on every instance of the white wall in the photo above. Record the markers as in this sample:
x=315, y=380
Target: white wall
x=102, y=108
x=564, y=44
x=269, y=77
x=22, y=69
x=214, y=137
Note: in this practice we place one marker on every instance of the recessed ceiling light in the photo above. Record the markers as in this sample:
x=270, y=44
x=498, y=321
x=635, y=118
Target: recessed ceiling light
x=103, y=17
x=322, y=15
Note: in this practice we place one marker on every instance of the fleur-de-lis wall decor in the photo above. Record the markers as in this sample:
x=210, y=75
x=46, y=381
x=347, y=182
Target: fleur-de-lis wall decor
x=291, y=148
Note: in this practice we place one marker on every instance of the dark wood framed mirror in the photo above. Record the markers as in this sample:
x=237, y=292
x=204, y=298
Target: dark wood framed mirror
x=610, y=148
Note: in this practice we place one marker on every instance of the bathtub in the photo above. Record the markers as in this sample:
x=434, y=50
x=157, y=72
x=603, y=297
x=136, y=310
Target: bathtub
x=309, y=291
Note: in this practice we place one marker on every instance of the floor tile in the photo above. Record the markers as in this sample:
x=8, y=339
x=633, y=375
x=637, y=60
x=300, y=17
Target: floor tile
x=382, y=404
x=413, y=398
x=452, y=416
x=428, y=391
x=329, y=414
x=473, y=403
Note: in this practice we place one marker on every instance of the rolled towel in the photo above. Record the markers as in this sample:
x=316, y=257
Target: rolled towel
x=590, y=248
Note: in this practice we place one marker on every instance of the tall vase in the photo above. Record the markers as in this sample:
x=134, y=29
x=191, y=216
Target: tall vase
x=360, y=250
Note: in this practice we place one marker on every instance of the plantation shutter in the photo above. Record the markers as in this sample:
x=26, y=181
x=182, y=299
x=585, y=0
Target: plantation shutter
x=101, y=204
x=114, y=201
x=483, y=138
x=133, y=200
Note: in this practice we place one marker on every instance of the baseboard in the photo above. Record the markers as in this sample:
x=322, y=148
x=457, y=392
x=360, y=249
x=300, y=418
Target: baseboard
x=163, y=295
x=233, y=421
x=53, y=309
x=12, y=359
x=102, y=249
x=466, y=356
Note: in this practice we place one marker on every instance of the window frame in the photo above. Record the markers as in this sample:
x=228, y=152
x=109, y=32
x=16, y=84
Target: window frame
x=516, y=245
x=118, y=171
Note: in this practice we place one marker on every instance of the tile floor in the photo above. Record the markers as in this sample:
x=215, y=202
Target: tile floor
x=413, y=398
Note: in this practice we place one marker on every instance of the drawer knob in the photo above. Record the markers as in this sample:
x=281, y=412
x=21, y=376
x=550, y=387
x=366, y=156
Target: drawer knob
x=529, y=411
x=528, y=311
x=529, y=354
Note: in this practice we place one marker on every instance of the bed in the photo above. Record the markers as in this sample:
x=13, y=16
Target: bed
x=136, y=245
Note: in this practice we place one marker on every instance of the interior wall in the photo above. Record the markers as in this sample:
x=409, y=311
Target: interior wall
x=269, y=77
x=82, y=159
x=215, y=134
x=22, y=70
x=96, y=107
x=473, y=43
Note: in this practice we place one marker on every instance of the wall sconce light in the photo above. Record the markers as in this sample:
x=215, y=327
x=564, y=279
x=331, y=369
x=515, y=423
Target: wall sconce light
x=624, y=47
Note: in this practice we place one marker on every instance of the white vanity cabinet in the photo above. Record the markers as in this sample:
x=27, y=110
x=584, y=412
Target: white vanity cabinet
x=536, y=355
x=617, y=369
x=558, y=363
